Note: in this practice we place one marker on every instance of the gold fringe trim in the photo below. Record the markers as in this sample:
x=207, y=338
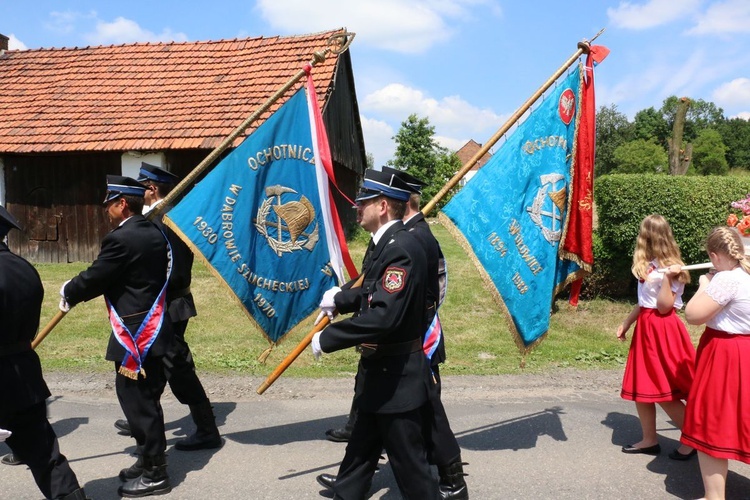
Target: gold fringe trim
x=488, y=284
x=126, y=372
x=292, y=331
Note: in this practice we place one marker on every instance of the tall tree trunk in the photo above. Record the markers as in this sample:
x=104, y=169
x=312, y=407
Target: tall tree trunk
x=679, y=159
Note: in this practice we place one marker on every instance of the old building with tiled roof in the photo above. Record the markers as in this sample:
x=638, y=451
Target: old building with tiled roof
x=466, y=153
x=72, y=115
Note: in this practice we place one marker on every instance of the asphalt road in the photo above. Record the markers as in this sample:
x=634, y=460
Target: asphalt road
x=525, y=437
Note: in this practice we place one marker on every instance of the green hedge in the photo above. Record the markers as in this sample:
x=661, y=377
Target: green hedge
x=691, y=204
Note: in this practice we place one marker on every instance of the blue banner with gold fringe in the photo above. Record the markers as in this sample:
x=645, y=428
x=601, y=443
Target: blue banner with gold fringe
x=256, y=220
x=511, y=215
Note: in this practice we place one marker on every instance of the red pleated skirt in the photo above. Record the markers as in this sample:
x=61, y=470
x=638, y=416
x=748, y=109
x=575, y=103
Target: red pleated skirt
x=660, y=361
x=717, y=417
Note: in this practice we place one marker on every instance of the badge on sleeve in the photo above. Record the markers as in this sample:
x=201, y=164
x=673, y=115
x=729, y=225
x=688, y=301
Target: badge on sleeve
x=394, y=279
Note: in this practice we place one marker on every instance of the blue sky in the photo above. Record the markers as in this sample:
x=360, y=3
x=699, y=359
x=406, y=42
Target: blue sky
x=467, y=65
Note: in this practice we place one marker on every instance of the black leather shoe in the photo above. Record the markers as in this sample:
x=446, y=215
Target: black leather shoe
x=10, y=459
x=676, y=455
x=143, y=487
x=649, y=450
x=338, y=435
x=123, y=426
x=326, y=481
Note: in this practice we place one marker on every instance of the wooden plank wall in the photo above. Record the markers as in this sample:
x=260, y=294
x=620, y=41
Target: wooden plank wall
x=58, y=199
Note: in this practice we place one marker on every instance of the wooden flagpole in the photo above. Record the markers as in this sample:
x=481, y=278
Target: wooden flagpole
x=336, y=44
x=583, y=48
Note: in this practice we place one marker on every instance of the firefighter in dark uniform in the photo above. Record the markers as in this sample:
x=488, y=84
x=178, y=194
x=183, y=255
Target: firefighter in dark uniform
x=179, y=364
x=23, y=392
x=393, y=382
x=131, y=271
x=443, y=448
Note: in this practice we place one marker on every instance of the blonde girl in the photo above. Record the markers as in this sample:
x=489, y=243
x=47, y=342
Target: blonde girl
x=659, y=368
x=717, y=419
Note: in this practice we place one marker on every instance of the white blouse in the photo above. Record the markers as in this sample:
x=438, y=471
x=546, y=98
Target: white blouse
x=648, y=290
x=731, y=289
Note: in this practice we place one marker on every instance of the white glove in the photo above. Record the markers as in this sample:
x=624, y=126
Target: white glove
x=315, y=344
x=64, y=306
x=4, y=434
x=327, y=304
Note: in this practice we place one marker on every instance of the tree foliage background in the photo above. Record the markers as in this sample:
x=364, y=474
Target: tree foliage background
x=420, y=155
x=721, y=144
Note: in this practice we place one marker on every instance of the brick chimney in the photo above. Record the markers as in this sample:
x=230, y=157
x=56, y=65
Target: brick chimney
x=3, y=43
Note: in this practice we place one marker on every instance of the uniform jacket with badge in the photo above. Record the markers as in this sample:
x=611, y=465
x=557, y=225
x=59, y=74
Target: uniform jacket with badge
x=392, y=316
x=21, y=294
x=129, y=271
x=418, y=226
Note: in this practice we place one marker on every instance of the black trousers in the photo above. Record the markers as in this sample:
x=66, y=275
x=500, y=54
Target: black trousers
x=401, y=436
x=180, y=368
x=442, y=446
x=140, y=402
x=34, y=442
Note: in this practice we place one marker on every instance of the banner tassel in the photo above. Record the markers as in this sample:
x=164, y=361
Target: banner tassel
x=264, y=355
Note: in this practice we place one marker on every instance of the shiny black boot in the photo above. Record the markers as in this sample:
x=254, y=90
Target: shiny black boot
x=133, y=471
x=153, y=481
x=206, y=435
x=452, y=483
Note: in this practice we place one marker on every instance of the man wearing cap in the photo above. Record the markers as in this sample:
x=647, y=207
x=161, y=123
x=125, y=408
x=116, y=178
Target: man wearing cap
x=131, y=271
x=393, y=381
x=443, y=448
x=178, y=362
x=23, y=411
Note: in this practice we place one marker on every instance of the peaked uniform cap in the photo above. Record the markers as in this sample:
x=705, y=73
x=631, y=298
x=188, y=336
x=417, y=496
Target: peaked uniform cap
x=414, y=183
x=118, y=185
x=153, y=173
x=379, y=183
x=7, y=222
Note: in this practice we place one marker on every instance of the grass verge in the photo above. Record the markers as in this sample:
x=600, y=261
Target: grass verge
x=222, y=339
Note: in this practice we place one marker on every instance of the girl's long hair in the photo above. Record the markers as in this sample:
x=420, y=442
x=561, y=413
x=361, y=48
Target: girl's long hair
x=656, y=242
x=726, y=241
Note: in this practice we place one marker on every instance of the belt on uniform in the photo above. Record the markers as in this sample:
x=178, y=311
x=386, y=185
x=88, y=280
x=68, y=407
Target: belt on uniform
x=382, y=350
x=15, y=348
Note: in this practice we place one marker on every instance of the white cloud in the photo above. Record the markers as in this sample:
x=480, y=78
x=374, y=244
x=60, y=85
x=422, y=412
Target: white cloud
x=405, y=27
x=733, y=94
x=651, y=14
x=724, y=18
x=378, y=139
x=15, y=44
x=450, y=115
x=123, y=30
x=745, y=115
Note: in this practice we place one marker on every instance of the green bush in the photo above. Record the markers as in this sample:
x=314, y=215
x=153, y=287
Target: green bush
x=692, y=205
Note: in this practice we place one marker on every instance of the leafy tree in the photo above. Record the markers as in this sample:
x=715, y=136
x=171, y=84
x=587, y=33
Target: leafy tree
x=709, y=153
x=640, y=157
x=735, y=133
x=701, y=114
x=649, y=124
x=370, y=158
x=612, y=130
x=419, y=155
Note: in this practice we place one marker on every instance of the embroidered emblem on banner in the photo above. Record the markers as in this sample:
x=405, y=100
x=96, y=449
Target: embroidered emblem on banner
x=547, y=208
x=567, y=106
x=287, y=226
x=394, y=279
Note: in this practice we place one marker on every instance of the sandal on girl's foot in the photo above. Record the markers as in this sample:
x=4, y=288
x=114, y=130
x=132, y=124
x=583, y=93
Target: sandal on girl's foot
x=648, y=450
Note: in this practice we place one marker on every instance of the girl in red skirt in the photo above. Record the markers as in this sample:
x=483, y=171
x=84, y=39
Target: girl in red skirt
x=660, y=361
x=717, y=420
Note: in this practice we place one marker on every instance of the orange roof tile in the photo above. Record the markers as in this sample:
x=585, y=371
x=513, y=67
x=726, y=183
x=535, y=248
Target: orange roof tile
x=148, y=96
